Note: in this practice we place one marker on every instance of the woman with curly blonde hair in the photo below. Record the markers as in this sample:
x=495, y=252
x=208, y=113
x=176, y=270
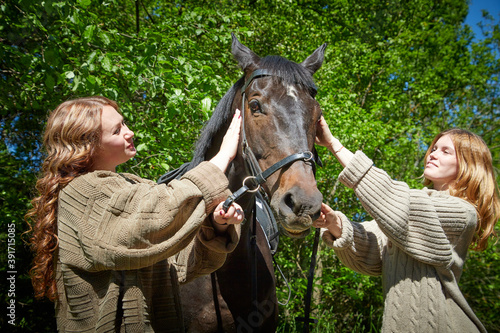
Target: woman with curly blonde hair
x=110, y=248
x=418, y=240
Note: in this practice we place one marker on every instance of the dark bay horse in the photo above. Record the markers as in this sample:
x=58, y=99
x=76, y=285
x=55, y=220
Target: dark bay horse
x=280, y=116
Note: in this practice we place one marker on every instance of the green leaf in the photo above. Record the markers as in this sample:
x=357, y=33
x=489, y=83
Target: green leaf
x=104, y=38
x=89, y=32
x=106, y=63
x=84, y=3
x=206, y=105
x=141, y=147
x=91, y=57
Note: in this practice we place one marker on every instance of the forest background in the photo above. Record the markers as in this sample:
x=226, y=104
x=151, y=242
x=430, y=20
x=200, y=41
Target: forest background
x=395, y=74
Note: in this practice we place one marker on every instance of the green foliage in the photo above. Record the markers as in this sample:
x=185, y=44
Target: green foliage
x=15, y=186
x=395, y=74
x=481, y=286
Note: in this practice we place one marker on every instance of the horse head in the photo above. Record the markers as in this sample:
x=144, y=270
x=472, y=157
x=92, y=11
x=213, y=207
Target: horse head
x=276, y=98
x=280, y=115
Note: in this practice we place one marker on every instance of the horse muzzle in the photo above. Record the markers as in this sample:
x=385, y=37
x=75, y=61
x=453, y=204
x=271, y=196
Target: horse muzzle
x=296, y=209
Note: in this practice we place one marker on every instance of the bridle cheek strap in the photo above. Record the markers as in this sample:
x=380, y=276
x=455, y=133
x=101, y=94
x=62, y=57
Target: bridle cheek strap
x=251, y=164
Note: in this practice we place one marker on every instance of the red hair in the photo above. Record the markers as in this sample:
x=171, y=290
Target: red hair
x=475, y=181
x=71, y=137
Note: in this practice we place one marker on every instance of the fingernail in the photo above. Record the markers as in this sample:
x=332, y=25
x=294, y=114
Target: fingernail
x=221, y=213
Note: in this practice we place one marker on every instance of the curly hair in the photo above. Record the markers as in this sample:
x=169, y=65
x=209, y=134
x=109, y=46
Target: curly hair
x=475, y=181
x=71, y=138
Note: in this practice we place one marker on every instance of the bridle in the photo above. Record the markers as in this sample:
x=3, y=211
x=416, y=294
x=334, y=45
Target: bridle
x=252, y=184
x=257, y=177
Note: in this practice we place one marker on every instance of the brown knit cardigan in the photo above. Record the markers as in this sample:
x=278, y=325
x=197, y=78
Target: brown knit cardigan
x=125, y=243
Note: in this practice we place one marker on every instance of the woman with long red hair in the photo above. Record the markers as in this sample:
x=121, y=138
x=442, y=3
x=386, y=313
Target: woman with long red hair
x=418, y=240
x=110, y=248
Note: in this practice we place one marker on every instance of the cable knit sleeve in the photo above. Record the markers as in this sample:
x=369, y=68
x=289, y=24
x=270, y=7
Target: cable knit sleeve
x=360, y=245
x=422, y=225
x=107, y=221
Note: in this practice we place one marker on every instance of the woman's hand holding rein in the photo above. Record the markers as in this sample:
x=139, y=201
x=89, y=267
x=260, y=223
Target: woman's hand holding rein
x=221, y=219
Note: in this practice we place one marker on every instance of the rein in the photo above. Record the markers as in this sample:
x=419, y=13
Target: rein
x=260, y=178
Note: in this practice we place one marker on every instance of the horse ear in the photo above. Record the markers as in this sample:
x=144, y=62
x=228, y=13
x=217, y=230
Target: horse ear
x=315, y=60
x=245, y=57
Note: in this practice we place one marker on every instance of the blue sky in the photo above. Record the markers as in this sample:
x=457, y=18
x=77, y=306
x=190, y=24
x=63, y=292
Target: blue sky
x=475, y=15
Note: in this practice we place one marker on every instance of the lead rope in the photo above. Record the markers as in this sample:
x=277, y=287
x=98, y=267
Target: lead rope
x=253, y=268
x=306, y=319
x=218, y=314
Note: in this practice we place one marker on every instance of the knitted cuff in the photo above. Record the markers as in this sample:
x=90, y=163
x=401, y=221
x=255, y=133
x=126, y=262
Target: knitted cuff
x=220, y=243
x=355, y=170
x=212, y=183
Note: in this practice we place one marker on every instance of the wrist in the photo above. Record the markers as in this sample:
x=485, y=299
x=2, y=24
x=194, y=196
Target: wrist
x=220, y=161
x=219, y=228
x=337, y=233
x=335, y=146
x=218, y=223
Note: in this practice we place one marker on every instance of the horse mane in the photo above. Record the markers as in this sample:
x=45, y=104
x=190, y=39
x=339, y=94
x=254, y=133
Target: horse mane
x=281, y=69
x=218, y=119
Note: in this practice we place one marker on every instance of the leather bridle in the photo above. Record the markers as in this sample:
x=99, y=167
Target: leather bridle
x=251, y=184
x=257, y=177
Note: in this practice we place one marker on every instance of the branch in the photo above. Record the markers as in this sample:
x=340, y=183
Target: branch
x=367, y=90
x=143, y=160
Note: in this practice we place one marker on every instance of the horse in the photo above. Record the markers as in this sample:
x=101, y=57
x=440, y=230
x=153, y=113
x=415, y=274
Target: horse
x=276, y=98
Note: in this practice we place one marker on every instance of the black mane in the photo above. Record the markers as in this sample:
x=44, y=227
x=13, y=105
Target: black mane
x=282, y=70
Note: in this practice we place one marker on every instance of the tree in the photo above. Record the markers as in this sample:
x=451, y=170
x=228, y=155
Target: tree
x=395, y=74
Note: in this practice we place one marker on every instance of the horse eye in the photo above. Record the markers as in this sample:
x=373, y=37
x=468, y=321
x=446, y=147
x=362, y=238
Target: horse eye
x=254, y=106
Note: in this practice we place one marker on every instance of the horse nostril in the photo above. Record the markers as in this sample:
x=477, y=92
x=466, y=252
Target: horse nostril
x=288, y=200
x=300, y=204
x=298, y=208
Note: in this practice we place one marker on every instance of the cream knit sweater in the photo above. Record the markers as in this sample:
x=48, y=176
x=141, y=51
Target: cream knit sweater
x=125, y=243
x=418, y=242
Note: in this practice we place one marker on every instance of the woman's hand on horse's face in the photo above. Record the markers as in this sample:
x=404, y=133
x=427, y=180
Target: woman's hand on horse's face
x=222, y=219
x=324, y=136
x=229, y=144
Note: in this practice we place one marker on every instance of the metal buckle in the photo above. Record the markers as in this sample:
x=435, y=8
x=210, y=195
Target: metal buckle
x=255, y=189
x=310, y=158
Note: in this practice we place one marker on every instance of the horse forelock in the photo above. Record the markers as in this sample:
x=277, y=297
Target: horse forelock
x=288, y=71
